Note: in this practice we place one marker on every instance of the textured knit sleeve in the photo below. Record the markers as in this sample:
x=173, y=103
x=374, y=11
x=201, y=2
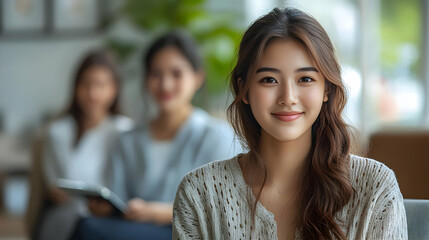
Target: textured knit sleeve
x=389, y=219
x=186, y=222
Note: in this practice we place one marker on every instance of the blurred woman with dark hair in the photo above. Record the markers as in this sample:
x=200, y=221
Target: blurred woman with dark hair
x=76, y=145
x=150, y=161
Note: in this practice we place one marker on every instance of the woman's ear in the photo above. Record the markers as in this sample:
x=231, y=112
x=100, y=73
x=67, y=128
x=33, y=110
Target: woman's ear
x=245, y=96
x=245, y=99
x=326, y=96
x=200, y=78
x=327, y=91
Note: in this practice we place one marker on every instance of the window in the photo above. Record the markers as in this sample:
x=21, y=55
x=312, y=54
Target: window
x=380, y=46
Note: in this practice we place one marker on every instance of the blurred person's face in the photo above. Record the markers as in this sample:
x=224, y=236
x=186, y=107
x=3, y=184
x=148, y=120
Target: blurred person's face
x=96, y=91
x=171, y=80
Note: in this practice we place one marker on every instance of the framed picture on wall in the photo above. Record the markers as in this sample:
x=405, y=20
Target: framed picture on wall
x=75, y=16
x=22, y=17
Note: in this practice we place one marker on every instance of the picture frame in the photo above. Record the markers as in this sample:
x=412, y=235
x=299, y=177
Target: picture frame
x=75, y=16
x=23, y=17
x=29, y=19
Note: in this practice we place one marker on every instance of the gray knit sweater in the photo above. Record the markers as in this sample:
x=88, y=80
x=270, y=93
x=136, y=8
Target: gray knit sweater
x=214, y=202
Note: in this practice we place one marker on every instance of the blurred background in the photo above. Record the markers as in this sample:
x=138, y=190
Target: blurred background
x=382, y=46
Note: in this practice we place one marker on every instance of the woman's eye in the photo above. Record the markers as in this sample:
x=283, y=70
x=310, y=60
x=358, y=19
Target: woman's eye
x=269, y=80
x=177, y=74
x=305, y=80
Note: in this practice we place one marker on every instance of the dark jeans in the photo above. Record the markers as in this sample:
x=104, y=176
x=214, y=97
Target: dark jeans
x=93, y=228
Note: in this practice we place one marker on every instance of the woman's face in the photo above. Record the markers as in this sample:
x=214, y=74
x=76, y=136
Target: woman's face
x=171, y=80
x=286, y=91
x=96, y=91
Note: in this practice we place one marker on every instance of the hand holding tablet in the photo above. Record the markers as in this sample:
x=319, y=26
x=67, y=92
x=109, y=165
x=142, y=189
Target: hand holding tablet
x=96, y=194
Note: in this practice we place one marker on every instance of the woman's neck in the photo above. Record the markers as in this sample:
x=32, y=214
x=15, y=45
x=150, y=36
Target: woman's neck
x=90, y=121
x=167, y=124
x=284, y=160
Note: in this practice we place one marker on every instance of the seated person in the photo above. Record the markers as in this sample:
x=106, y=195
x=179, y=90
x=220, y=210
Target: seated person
x=150, y=161
x=298, y=180
x=76, y=145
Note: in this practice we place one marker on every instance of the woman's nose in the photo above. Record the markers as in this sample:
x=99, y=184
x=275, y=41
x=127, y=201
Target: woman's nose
x=288, y=94
x=166, y=83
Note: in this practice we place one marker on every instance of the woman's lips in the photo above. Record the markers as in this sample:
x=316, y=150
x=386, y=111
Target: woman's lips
x=165, y=97
x=287, y=116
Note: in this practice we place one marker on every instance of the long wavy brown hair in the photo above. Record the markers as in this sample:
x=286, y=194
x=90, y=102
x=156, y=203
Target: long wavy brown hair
x=326, y=186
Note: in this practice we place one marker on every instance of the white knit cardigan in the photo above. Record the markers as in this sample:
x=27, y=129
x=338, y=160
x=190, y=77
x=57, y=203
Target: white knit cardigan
x=214, y=202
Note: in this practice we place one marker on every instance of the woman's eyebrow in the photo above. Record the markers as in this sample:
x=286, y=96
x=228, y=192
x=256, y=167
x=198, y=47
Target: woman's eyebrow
x=306, y=69
x=303, y=69
x=267, y=69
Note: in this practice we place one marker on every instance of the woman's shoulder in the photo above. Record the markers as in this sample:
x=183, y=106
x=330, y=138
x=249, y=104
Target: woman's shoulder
x=201, y=117
x=373, y=181
x=62, y=125
x=212, y=172
x=123, y=123
x=218, y=131
x=377, y=201
x=371, y=171
x=135, y=133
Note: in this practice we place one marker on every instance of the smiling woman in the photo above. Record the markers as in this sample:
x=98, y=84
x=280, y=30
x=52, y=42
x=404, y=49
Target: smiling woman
x=298, y=180
x=286, y=88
